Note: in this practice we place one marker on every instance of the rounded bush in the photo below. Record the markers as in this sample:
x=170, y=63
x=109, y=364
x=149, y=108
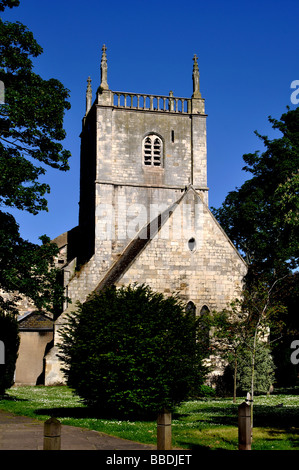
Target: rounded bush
x=131, y=350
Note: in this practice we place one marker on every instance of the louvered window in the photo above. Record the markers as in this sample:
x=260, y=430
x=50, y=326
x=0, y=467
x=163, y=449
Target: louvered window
x=152, y=150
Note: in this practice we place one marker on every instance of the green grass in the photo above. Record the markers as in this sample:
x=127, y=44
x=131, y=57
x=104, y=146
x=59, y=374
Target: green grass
x=198, y=424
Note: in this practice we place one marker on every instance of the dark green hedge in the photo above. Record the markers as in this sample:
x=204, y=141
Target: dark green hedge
x=131, y=350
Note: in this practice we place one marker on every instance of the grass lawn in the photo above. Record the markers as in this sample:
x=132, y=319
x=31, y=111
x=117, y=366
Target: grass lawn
x=200, y=424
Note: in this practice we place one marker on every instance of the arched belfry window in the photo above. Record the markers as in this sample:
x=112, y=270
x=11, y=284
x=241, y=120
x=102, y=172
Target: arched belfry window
x=152, y=150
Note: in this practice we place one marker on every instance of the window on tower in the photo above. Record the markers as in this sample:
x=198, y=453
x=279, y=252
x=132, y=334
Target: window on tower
x=152, y=150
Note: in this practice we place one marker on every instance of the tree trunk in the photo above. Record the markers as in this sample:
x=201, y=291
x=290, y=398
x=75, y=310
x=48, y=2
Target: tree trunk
x=235, y=380
x=252, y=375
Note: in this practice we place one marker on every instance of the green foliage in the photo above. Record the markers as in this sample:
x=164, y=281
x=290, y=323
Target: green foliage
x=9, y=4
x=261, y=217
x=10, y=337
x=131, y=350
x=206, y=391
x=264, y=375
x=239, y=328
x=230, y=330
x=262, y=302
x=28, y=268
x=33, y=111
x=287, y=194
x=286, y=373
x=31, y=135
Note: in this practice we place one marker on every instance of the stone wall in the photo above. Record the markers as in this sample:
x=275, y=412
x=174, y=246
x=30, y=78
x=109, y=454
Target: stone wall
x=210, y=273
x=120, y=133
x=30, y=362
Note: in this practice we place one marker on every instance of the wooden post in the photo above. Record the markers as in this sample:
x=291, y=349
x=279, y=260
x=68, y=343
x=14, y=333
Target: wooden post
x=52, y=433
x=244, y=425
x=164, y=431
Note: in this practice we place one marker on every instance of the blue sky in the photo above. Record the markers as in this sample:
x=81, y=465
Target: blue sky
x=248, y=58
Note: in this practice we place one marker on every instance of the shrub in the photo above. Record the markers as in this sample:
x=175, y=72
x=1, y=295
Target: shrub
x=131, y=350
x=9, y=335
x=264, y=375
x=206, y=391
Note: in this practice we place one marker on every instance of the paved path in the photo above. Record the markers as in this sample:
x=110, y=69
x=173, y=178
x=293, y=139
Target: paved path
x=23, y=433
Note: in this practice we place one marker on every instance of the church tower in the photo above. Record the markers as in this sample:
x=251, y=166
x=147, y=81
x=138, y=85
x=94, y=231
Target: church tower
x=137, y=149
x=143, y=214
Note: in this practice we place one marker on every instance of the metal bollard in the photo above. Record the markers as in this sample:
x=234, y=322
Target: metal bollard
x=244, y=426
x=164, y=431
x=52, y=434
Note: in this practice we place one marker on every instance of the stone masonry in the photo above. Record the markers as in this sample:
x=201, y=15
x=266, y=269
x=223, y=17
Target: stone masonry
x=144, y=213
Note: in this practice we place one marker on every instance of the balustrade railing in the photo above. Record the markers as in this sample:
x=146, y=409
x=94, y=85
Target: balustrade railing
x=151, y=102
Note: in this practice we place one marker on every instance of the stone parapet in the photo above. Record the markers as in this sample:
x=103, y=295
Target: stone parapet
x=147, y=102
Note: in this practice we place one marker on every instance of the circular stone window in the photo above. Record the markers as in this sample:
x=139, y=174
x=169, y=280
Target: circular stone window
x=192, y=244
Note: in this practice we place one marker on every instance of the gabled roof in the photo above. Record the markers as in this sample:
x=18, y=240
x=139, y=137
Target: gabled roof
x=144, y=237
x=136, y=246
x=35, y=321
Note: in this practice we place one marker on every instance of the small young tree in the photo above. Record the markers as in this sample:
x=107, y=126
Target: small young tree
x=9, y=338
x=243, y=328
x=264, y=375
x=132, y=350
x=229, y=336
x=263, y=313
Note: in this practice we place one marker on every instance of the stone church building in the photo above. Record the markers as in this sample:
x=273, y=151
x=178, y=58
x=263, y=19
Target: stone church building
x=143, y=210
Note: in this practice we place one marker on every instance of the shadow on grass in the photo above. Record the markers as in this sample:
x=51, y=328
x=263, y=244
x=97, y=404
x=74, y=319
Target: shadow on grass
x=277, y=417
x=286, y=391
x=10, y=398
x=212, y=414
x=267, y=416
x=294, y=442
x=92, y=413
x=69, y=412
x=194, y=447
x=198, y=447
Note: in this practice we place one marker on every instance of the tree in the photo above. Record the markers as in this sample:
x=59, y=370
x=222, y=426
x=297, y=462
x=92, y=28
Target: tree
x=241, y=336
x=261, y=216
x=287, y=194
x=131, y=350
x=28, y=269
x=9, y=4
x=31, y=132
x=264, y=375
x=230, y=331
x=264, y=315
x=288, y=295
